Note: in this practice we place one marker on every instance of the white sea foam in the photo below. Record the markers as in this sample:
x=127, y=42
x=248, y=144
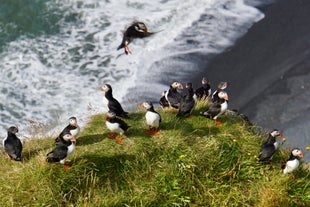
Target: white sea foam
x=47, y=79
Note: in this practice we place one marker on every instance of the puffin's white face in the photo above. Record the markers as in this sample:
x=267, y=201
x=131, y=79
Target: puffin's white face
x=105, y=88
x=146, y=105
x=204, y=81
x=73, y=121
x=141, y=27
x=13, y=129
x=223, y=95
x=177, y=85
x=68, y=137
x=297, y=153
x=222, y=85
x=275, y=133
x=111, y=114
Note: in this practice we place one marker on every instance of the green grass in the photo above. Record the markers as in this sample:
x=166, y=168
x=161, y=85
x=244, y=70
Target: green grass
x=192, y=162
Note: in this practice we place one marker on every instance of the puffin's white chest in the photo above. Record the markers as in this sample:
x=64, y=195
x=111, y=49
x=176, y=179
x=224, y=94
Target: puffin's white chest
x=114, y=127
x=152, y=119
x=291, y=165
x=75, y=132
x=224, y=107
x=71, y=149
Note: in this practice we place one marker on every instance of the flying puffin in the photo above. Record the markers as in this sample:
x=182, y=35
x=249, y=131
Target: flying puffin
x=187, y=103
x=62, y=150
x=217, y=108
x=204, y=91
x=293, y=162
x=73, y=129
x=173, y=96
x=113, y=104
x=12, y=145
x=269, y=147
x=163, y=101
x=115, y=125
x=221, y=87
x=152, y=117
x=135, y=30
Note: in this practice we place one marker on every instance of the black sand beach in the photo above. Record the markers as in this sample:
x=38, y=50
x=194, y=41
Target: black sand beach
x=269, y=71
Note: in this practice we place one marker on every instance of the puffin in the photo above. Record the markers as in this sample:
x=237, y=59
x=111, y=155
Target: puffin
x=293, y=162
x=221, y=87
x=115, y=125
x=204, y=91
x=269, y=147
x=72, y=128
x=65, y=148
x=113, y=104
x=12, y=145
x=187, y=103
x=163, y=102
x=153, y=118
x=217, y=108
x=173, y=96
x=135, y=30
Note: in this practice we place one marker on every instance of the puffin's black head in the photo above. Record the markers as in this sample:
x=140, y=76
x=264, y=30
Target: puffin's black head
x=106, y=88
x=222, y=85
x=275, y=133
x=73, y=121
x=176, y=85
x=110, y=114
x=296, y=152
x=140, y=27
x=13, y=130
x=204, y=81
x=189, y=85
x=223, y=95
x=146, y=104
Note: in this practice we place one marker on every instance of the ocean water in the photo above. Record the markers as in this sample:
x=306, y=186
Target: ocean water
x=56, y=54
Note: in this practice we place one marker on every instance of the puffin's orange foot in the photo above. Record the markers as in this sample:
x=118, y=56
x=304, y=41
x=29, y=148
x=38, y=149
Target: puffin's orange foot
x=67, y=167
x=155, y=133
x=148, y=131
x=127, y=50
x=119, y=139
x=111, y=136
x=218, y=122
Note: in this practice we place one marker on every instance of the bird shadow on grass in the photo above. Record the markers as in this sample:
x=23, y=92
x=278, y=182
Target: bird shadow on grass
x=90, y=139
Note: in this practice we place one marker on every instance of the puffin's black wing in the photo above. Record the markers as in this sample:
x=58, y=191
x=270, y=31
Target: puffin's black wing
x=117, y=108
x=66, y=130
x=122, y=124
x=266, y=152
x=59, y=153
x=213, y=110
x=13, y=148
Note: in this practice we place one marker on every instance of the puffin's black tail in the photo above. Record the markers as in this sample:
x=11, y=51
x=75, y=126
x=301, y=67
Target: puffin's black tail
x=50, y=158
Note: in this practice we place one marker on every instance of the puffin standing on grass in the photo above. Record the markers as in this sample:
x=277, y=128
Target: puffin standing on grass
x=293, y=162
x=73, y=129
x=187, y=103
x=269, y=147
x=217, y=108
x=221, y=87
x=136, y=30
x=204, y=91
x=113, y=104
x=173, y=96
x=152, y=117
x=64, y=149
x=12, y=145
x=115, y=125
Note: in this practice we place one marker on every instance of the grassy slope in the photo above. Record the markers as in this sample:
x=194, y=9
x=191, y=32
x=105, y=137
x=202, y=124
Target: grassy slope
x=193, y=162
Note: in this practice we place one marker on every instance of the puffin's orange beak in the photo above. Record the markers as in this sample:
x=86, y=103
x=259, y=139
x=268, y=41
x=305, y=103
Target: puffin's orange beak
x=226, y=98
x=301, y=155
x=180, y=86
x=101, y=88
x=281, y=134
x=73, y=139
